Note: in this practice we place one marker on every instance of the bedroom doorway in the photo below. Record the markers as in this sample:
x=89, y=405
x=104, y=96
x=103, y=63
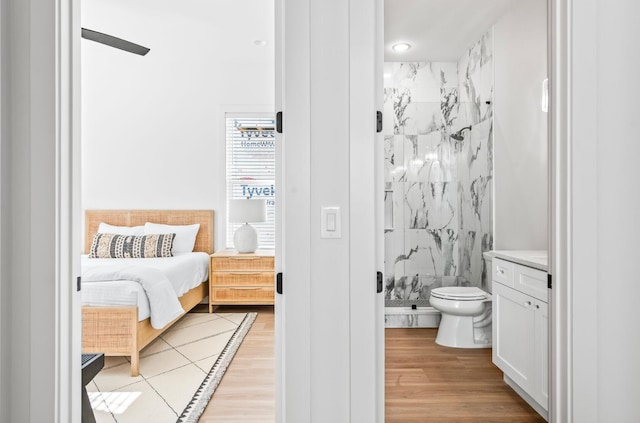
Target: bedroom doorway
x=164, y=116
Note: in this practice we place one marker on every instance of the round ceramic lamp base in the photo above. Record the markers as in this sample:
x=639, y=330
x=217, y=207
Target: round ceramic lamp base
x=246, y=239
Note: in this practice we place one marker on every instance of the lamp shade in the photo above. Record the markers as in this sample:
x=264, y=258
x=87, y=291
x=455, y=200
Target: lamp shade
x=247, y=210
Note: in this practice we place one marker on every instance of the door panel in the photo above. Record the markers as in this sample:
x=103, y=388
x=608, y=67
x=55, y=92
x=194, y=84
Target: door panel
x=514, y=331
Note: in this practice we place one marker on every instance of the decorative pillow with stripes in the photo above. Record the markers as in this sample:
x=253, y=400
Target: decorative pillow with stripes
x=131, y=246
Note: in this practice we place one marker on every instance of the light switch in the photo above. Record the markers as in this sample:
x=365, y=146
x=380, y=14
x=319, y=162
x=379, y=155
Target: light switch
x=330, y=222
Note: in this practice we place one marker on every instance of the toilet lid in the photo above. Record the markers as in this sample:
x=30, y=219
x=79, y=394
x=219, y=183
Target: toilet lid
x=460, y=293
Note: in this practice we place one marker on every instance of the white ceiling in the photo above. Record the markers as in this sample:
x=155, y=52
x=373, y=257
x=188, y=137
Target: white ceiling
x=222, y=30
x=438, y=30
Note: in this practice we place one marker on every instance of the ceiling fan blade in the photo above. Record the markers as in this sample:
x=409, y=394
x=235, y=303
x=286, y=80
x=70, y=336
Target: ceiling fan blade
x=115, y=42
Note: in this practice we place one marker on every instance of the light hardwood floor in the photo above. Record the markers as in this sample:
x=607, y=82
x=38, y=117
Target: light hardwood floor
x=247, y=390
x=424, y=382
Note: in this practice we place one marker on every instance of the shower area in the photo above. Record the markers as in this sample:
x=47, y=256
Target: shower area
x=438, y=180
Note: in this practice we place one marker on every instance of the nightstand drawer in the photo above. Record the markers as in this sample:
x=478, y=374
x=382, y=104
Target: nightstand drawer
x=244, y=295
x=244, y=263
x=242, y=278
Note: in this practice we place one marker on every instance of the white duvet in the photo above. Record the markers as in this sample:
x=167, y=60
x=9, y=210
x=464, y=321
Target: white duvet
x=152, y=284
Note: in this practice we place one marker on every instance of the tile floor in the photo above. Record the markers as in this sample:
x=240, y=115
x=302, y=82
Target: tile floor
x=171, y=369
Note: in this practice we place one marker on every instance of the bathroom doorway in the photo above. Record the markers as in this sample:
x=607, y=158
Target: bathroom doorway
x=465, y=173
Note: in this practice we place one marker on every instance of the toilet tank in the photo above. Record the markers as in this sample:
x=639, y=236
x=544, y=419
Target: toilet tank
x=486, y=278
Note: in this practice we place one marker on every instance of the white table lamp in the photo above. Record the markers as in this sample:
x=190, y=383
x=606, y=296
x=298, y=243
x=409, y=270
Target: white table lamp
x=247, y=211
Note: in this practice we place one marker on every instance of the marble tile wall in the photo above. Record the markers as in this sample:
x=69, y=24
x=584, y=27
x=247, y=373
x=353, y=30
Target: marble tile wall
x=437, y=190
x=475, y=160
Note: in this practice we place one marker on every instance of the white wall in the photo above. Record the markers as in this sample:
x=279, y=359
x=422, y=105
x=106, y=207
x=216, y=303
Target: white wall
x=16, y=342
x=330, y=312
x=520, y=128
x=39, y=362
x=151, y=125
x=595, y=212
x=617, y=228
x=5, y=199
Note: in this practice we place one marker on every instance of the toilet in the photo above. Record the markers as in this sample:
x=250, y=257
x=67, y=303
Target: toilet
x=466, y=316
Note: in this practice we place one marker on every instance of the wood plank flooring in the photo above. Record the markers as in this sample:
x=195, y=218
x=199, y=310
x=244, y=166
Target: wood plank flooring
x=425, y=382
x=247, y=392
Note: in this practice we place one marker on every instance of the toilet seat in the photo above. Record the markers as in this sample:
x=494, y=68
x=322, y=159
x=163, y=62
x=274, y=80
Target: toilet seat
x=459, y=293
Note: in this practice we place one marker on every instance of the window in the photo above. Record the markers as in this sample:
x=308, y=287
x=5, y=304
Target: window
x=251, y=169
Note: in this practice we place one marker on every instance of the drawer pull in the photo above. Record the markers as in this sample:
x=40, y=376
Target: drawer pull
x=500, y=271
x=537, y=306
x=527, y=303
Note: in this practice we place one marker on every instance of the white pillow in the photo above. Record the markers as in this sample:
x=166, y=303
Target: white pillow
x=185, y=235
x=105, y=228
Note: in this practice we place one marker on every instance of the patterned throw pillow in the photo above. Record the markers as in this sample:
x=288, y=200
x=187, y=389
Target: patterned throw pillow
x=131, y=246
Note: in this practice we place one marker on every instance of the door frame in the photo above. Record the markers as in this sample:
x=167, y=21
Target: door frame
x=572, y=211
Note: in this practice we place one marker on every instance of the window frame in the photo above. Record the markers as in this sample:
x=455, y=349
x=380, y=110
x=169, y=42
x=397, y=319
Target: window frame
x=242, y=112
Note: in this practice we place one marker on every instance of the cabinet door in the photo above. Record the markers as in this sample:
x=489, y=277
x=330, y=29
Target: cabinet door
x=513, y=335
x=541, y=391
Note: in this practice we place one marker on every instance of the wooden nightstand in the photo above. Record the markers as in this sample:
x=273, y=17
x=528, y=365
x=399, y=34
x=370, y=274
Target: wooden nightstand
x=236, y=278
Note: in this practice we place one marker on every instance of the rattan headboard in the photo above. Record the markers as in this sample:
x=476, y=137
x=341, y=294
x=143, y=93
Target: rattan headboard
x=204, y=239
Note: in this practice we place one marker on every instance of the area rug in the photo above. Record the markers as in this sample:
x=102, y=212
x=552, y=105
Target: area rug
x=179, y=371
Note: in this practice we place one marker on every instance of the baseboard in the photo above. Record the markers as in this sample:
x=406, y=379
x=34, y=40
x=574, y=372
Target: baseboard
x=406, y=317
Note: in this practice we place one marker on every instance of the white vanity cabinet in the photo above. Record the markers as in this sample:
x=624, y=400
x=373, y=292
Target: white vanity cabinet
x=520, y=331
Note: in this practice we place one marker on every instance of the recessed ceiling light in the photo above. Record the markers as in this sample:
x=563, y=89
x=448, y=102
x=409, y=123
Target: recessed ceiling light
x=260, y=42
x=400, y=47
x=387, y=75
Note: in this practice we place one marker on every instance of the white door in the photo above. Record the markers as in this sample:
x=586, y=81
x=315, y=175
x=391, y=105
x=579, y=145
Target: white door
x=329, y=333
x=514, y=331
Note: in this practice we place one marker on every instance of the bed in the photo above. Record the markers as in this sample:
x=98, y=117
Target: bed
x=116, y=330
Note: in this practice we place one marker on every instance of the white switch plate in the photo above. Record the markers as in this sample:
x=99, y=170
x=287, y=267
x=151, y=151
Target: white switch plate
x=330, y=222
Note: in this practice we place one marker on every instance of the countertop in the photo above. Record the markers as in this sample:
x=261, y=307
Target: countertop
x=532, y=258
